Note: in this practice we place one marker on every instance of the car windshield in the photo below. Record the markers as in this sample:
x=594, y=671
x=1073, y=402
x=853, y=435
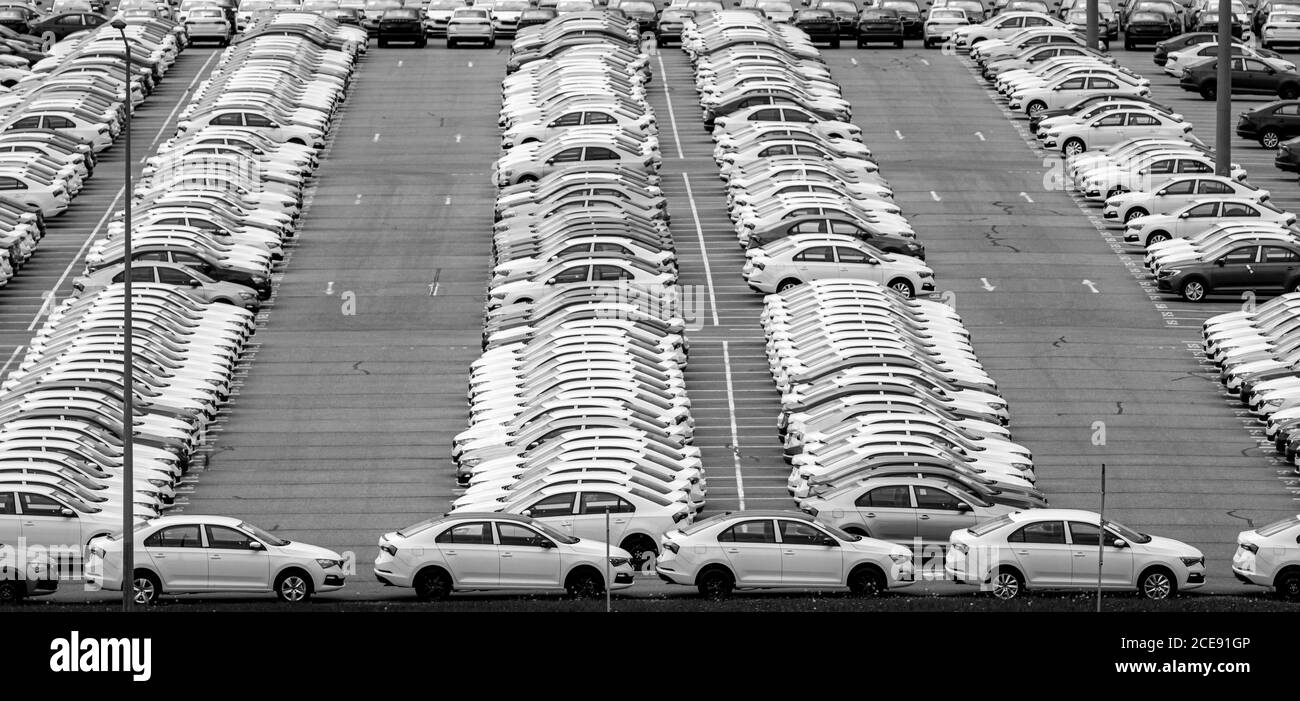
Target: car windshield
x=879, y=14
x=982, y=529
x=382, y=4
x=1284, y=18
x=402, y=14
x=511, y=6
x=649, y=496
x=838, y=7
x=816, y=14
x=12, y=14
x=206, y=13
x=554, y=534
x=261, y=534
x=706, y=522
x=1276, y=527
x=948, y=14
x=1147, y=17
x=675, y=15
x=252, y=5
x=573, y=6
x=637, y=7
x=776, y=7
x=445, y=5
x=1127, y=533
x=906, y=5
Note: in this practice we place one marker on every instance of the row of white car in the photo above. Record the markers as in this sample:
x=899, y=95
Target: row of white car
x=58, y=115
x=580, y=429
x=211, y=214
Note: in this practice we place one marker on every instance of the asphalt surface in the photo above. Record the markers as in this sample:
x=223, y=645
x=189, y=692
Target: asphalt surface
x=355, y=385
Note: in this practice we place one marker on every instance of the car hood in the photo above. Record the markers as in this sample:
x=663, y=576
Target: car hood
x=1169, y=546
x=303, y=550
x=596, y=548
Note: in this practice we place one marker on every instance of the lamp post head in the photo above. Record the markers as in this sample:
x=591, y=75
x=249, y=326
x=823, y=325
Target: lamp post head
x=118, y=24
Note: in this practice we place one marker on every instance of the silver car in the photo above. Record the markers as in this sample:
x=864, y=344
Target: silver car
x=199, y=285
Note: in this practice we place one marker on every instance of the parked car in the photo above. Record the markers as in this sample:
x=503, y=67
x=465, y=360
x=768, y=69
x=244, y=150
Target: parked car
x=1271, y=124
x=1270, y=268
x=401, y=25
x=1250, y=76
x=1269, y=556
x=820, y=26
x=880, y=26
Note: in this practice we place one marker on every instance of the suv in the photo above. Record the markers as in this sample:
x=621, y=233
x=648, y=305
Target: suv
x=403, y=24
x=472, y=24
x=1250, y=76
x=819, y=25
x=1269, y=556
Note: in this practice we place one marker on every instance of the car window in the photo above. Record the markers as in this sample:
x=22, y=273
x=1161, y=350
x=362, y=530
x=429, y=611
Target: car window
x=518, y=536
x=224, y=538
x=598, y=153
x=475, y=533
x=568, y=155
x=231, y=119
x=766, y=115
x=1208, y=209
x=1241, y=256
x=1288, y=110
x=932, y=498
x=1086, y=534
x=845, y=228
x=797, y=116
x=554, y=505
x=7, y=507
x=1274, y=254
x=568, y=120
x=1041, y=532
x=12, y=184
x=816, y=226
x=611, y=272
x=600, y=118
x=777, y=150
x=1111, y=120
x=186, y=536
x=1256, y=65
x=799, y=533
x=749, y=532
x=39, y=505
x=256, y=120
x=1096, y=83
x=1182, y=187
x=894, y=496
x=578, y=274
x=1035, y=22
x=816, y=254
x=56, y=122
x=26, y=123
x=173, y=276
x=1237, y=209
x=852, y=256
x=1142, y=120
x=601, y=502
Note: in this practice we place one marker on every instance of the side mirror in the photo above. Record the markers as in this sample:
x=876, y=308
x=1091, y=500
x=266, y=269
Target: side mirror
x=65, y=512
x=195, y=283
x=1221, y=262
x=1119, y=543
x=872, y=261
x=551, y=281
x=256, y=545
x=1185, y=215
x=963, y=507
x=527, y=512
x=829, y=542
x=545, y=544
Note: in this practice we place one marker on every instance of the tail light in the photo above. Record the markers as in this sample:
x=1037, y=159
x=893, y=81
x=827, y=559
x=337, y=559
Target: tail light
x=669, y=545
x=679, y=516
x=390, y=549
x=1248, y=547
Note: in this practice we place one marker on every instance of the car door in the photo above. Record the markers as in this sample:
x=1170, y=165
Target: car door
x=1276, y=268
x=178, y=555
x=590, y=520
x=752, y=551
x=555, y=511
x=1107, y=130
x=939, y=513
x=528, y=558
x=888, y=514
x=1065, y=93
x=1140, y=124
x=859, y=265
x=1041, y=551
x=814, y=263
x=1237, y=271
x=10, y=524
x=1286, y=120
x=1259, y=76
x=1196, y=219
x=561, y=159
x=1173, y=196
x=47, y=522
x=806, y=556
x=1116, y=563
x=235, y=563
x=469, y=551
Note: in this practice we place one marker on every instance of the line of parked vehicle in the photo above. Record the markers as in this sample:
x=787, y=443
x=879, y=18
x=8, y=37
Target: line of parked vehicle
x=580, y=428
x=211, y=213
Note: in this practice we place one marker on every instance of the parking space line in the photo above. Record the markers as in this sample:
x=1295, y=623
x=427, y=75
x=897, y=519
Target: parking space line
x=672, y=117
x=704, y=251
x=735, y=438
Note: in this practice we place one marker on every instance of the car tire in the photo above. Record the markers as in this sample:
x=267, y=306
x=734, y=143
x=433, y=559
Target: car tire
x=451, y=44
x=1134, y=213
x=715, y=583
x=526, y=179
x=584, y=583
x=866, y=580
x=1269, y=138
x=1157, y=236
x=1035, y=107
x=492, y=44
x=10, y=591
x=1157, y=584
x=146, y=587
x=643, y=551
x=1073, y=146
x=899, y=44
x=903, y=287
x=1007, y=584
x=1194, y=290
x=1128, y=45
x=1209, y=91
x=1289, y=91
x=432, y=584
x=1288, y=586
x=787, y=284
x=293, y=587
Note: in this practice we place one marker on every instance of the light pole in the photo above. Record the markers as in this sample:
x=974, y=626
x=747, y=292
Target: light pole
x=128, y=359
x=1223, y=93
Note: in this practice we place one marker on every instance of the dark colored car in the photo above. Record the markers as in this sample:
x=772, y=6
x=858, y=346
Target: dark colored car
x=529, y=18
x=881, y=26
x=1271, y=124
x=909, y=11
x=18, y=18
x=1209, y=22
x=819, y=25
x=1178, y=43
x=1288, y=156
x=345, y=15
x=823, y=223
x=1272, y=266
x=846, y=14
x=1149, y=27
x=1176, y=11
x=402, y=25
x=645, y=13
x=669, y=28
x=54, y=29
x=1107, y=27
x=1250, y=76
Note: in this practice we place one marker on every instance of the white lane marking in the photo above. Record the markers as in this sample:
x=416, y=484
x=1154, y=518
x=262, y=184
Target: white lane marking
x=376, y=139
x=854, y=61
x=358, y=200
x=448, y=200
x=979, y=135
x=704, y=251
x=1091, y=285
x=13, y=355
x=1028, y=199
x=180, y=102
x=668, y=99
x=934, y=195
x=925, y=62
x=399, y=63
x=898, y=133
x=735, y=434
x=94, y=233
x=329, y=288
x=987, y=286
x=471, y=64
x=458, y=138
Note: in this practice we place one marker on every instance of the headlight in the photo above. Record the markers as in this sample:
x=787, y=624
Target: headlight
x=961, y=548
x=1169, y=272
x=900, y=558
x=97, y=551
x=618, y=561
x=471, y=462
x=326, y=564
x=158, y=483
x=924, y=275
x=1192, y=561
x=246, y=295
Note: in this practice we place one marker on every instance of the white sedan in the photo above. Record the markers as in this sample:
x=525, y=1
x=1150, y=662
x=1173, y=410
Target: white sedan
x=1200, y=215
x=1176, y=193
x=797, y=259
x=1112, y=128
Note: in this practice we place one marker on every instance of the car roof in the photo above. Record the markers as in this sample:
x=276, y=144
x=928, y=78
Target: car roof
x=489, y=514
x=195, y=518
x=1054, y=514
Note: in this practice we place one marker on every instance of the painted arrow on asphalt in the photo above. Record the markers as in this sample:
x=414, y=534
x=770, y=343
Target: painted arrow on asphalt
x=987, y=286
x=1090, y=285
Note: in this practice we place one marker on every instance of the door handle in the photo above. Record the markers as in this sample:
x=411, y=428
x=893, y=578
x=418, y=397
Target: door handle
x=160, y=556
x=29, y=523
x=788, y=552
x=1081, y=554
x=451, y=552
x=732, y=550
x=507, y=554
x=871, y=515
x=1022, y=552
x=214, y=557
x=924, y=517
